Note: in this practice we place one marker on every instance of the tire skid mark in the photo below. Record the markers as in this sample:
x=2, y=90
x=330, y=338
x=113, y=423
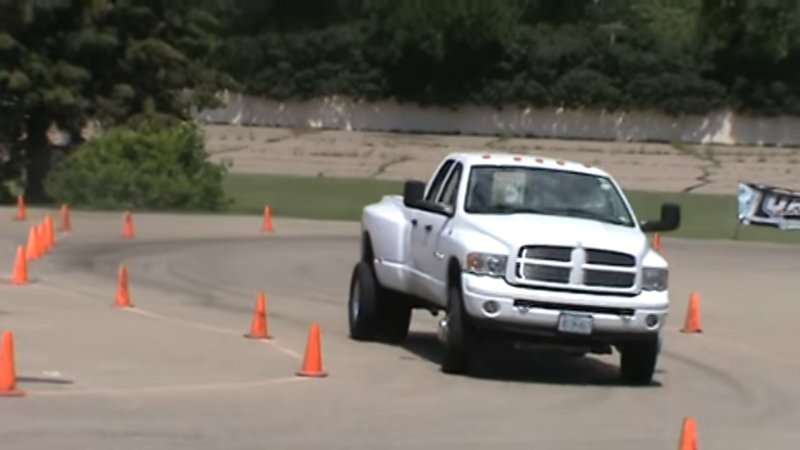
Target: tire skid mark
x=91, y=262
x=164, y=389
x=781, y=403
x=761, y=400
x=316, y=296
x=195, y=280
x=143, y=273
x=720, y=375
x=748, y=396
x=196, y=286
x=62, y=288
x=212, y=302
x=761, y=407
x=322, y=296
x=781, y=406
x=87, y=251
x=214, y=329
x=208, y=300
x=736, y=348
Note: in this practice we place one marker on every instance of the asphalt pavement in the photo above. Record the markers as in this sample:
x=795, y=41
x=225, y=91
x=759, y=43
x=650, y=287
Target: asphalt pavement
x=175, y=371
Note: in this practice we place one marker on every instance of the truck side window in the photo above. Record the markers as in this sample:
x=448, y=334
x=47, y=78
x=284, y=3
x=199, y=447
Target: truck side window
x=433, y=190
x=450, y=189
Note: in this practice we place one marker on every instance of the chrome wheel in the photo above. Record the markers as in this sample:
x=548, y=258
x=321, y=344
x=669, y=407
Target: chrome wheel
x=443, y=329
x=362, y=308
x=457, y=334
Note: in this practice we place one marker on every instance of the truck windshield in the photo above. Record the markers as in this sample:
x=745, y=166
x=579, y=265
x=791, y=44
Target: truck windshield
x=515, y=190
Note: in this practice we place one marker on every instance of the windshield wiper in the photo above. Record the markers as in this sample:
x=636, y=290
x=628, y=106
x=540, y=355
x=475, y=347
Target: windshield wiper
x=587, y=215
x=569, y=212
x=514, y=210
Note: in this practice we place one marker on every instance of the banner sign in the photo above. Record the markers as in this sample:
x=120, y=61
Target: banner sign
x=769, y=206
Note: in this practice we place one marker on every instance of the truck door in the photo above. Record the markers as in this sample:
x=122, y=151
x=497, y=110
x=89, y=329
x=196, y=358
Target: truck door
x=420, y=234
x=427, y=252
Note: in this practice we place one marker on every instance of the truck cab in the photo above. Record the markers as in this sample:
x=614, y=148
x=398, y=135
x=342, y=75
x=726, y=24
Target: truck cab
x=516, y=247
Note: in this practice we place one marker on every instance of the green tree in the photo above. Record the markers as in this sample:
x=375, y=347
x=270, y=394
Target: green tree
x=754, y=47
x=69, y=62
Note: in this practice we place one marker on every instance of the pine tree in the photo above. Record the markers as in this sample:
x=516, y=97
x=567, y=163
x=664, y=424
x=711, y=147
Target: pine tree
x=69, y=62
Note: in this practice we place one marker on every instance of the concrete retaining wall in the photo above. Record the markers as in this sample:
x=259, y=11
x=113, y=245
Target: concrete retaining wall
x=337, y=113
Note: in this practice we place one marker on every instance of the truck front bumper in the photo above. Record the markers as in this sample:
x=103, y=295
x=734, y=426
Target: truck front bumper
x=493, y=304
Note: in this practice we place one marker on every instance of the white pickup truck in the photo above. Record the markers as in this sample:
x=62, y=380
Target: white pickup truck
x=516, y=247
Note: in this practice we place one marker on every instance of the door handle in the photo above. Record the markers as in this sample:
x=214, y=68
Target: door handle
x=428, y=227
x=413, y=222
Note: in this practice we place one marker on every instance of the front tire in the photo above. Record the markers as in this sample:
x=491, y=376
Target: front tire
x=638, y=361
x=457, y=334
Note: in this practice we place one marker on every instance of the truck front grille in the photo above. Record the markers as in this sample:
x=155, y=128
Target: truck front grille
x=576, y=268
x=546, y=273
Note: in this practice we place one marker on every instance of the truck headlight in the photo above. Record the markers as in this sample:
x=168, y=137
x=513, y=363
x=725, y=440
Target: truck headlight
x=486, y=264
x=655, y=279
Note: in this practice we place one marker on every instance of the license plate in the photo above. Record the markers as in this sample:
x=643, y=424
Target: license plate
x=575, y=323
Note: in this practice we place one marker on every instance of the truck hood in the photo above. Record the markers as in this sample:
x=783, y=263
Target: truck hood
x=515, y=230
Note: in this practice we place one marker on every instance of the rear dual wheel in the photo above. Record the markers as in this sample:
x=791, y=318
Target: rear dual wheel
x=375, y=312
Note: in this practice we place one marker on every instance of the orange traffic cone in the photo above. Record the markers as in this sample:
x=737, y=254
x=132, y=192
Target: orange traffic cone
x=258, y=326
x=66, y=223
x=32, y=249
x=127, y=227
x=20, y=273
x=692, y=322
x=41, y=239
x=688, y=439
x=657, y=242
x=312, y=362
x=8, y=370
x=51, y=231
x=22, y=213
x=266, y=226
x=123, y=294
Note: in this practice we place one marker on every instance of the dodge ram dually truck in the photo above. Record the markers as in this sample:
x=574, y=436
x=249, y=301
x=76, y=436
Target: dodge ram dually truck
x=518, y=247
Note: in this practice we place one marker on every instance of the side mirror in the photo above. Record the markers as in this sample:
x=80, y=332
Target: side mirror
x=670, y=219
x=413, y=192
